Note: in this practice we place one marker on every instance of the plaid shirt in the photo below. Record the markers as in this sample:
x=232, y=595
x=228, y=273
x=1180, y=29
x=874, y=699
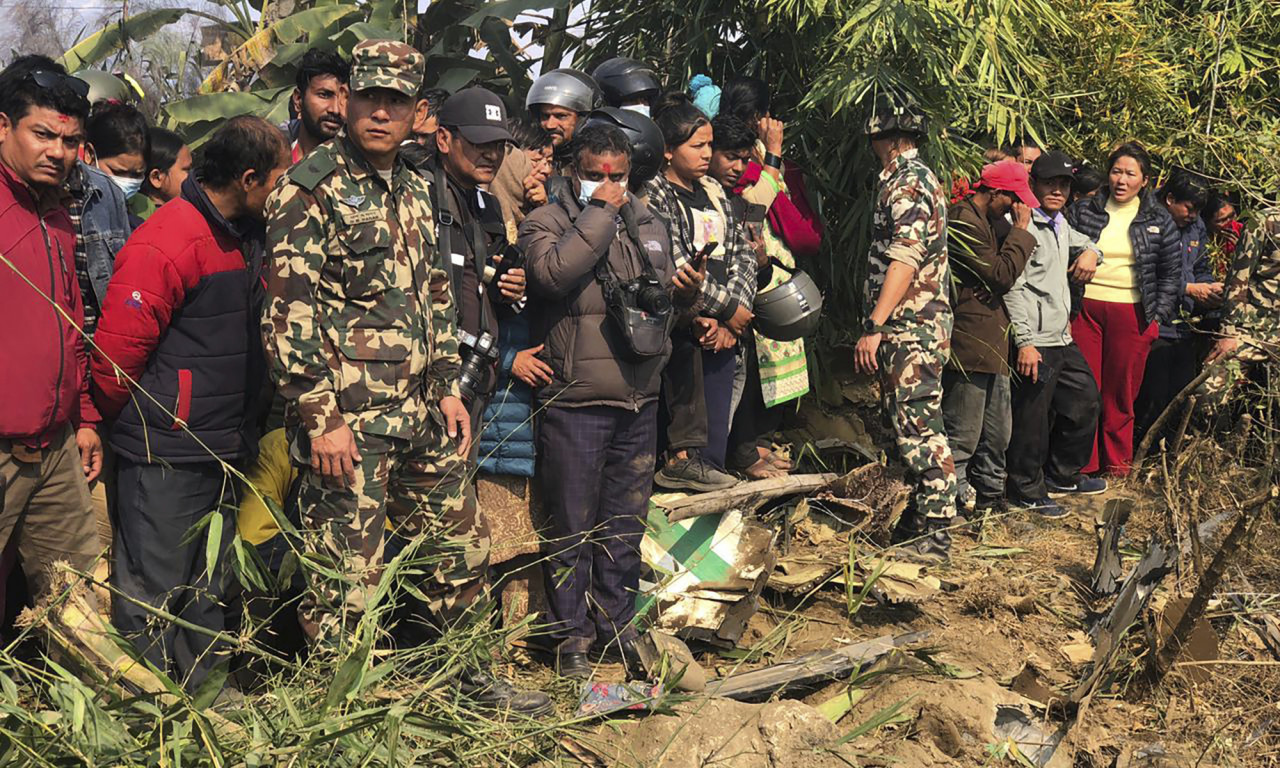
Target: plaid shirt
x=77, y=187
x=719, y=299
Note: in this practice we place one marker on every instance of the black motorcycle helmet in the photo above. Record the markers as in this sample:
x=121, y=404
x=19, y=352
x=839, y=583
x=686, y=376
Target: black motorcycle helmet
x=625, y=80
x=647, y=145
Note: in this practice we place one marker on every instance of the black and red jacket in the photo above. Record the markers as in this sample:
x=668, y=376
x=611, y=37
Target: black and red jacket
x=181, y=319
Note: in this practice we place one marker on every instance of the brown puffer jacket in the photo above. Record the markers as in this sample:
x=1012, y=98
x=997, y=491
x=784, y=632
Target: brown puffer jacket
x=562, y=243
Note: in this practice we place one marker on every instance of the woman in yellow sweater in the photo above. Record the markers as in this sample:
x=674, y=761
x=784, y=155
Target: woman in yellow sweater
x=1136, y=287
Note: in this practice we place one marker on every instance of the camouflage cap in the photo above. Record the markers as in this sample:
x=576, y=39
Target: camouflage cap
x=386, y=64
x=895, y=113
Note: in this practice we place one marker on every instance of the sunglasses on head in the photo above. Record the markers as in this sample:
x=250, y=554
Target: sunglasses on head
x=46, y=79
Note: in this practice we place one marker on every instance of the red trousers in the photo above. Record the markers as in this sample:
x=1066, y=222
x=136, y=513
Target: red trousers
x=1115, y=344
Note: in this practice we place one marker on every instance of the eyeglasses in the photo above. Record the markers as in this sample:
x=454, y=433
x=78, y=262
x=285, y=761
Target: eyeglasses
x=46, y=79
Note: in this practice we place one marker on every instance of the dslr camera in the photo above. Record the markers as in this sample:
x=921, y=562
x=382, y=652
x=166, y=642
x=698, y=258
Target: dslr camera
x=479, y=353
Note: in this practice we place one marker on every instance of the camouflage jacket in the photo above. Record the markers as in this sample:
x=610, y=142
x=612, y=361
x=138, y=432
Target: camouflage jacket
x=910, y=225
x=1253, y=286
x=359, y=316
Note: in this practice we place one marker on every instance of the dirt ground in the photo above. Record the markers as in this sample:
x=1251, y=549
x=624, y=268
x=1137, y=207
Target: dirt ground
x=1013, y=600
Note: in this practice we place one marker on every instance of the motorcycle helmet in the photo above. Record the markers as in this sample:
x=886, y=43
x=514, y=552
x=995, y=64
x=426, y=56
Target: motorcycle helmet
x=788, y=311
x=646, y=140
x=622, y=80
x=566, y=88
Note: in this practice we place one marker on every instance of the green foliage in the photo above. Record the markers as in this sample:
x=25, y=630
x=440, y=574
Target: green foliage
x=1196, y=80
x=109, y=40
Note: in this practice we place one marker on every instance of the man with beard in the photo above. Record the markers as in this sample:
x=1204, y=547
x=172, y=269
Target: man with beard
x=319, y=100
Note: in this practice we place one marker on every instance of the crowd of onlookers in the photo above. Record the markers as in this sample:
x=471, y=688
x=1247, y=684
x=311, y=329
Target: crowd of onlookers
x=400, y=288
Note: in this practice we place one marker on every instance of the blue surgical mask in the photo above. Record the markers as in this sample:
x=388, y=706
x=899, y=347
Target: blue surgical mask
x=128, y=186
x=588, y=188
x=641, y=108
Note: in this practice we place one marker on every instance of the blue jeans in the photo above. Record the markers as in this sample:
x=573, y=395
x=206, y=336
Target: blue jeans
x=979, y=417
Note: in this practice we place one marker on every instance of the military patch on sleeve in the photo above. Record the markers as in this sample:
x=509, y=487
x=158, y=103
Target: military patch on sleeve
x=316, y=168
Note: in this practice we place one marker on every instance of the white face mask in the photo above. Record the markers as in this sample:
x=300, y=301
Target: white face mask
x=641, y=108
x=128, y=186
x=587, y=189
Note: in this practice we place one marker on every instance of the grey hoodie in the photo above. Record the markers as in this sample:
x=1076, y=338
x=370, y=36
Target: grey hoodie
x=1039, y=303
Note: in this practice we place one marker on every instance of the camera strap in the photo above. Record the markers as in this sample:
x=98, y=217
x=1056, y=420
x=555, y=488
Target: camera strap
x=479, y=250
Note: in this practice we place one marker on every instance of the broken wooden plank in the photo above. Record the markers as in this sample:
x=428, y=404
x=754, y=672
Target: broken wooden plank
x=805, y=672
x=745, y=497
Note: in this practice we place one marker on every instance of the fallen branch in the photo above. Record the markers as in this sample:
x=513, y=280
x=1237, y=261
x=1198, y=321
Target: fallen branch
x=745, y=497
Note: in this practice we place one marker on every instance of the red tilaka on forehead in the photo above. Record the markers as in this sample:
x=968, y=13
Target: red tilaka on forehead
x=606, y=167
x=64, y=118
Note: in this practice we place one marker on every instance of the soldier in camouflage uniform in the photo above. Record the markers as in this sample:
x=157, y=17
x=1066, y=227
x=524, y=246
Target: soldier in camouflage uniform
x=361, y=341
x=907, y=331
x=1251, y=324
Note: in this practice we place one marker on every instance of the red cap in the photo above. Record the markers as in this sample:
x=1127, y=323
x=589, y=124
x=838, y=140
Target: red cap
x=1009, y=176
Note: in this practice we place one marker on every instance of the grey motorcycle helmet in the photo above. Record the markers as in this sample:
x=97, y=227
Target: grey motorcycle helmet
x=566, y=88
x=788, y=311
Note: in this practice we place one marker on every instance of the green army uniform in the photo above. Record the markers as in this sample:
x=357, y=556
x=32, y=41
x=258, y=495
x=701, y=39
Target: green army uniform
x=1252, y=313
x=359, y=330
x=910, y=222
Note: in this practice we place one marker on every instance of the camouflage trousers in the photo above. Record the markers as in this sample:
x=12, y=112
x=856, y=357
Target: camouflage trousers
x=415, y=487
x=1226, y=375
x=911, y=393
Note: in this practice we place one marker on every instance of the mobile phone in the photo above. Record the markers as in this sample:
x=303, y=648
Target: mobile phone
x=700, y=259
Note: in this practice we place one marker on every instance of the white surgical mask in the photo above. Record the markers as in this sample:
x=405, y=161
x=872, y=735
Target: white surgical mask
x=588, y=188
x=127, y=185
x=641, y=108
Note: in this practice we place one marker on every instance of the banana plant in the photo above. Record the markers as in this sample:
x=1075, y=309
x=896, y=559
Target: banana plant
x=112, y=38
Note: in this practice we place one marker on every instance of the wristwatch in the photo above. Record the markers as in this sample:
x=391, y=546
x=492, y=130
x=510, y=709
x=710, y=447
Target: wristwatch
x=869, y=326
x=773, y=161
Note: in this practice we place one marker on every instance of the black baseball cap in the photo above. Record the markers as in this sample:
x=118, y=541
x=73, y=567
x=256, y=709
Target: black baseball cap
x=478, y=114
x=1052, y=165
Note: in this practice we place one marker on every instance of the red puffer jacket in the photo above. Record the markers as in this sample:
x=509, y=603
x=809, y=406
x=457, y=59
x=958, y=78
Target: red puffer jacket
x=46, y=385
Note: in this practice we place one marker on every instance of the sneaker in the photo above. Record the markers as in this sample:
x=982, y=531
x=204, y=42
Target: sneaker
x=693, y=474
x=1084, y=486
x=495, y=694
x=1045, y=507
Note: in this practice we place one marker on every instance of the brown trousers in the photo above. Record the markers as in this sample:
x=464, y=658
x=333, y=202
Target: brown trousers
x=46, y=508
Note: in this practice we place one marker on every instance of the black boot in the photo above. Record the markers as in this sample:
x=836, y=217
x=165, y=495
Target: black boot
x=494, y=693
x=925, y=540
x=626, y=652
x=573, y=664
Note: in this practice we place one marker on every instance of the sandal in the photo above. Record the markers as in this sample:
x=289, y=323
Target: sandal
x=763, y=470
x=778, y=460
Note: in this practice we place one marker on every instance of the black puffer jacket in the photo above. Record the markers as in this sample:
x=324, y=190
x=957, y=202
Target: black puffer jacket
x=1156, y=251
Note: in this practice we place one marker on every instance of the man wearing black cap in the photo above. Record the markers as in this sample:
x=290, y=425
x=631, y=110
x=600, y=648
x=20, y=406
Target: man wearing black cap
x=470, y=144
x=1055, y=398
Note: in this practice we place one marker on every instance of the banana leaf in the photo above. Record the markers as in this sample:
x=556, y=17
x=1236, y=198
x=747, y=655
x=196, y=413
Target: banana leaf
x=198, y=117
x=260, y=49
x=509, y=10
x=111, y=38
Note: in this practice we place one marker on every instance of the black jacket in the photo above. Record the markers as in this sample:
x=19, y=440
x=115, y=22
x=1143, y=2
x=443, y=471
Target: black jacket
x=1157, y=251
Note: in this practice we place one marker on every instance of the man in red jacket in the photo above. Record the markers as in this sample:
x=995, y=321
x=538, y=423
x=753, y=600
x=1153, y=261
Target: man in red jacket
x=179, y=366
x=49, y=447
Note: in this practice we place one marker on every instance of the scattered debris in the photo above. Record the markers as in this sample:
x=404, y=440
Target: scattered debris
x=1029, y=683
x=600, y=699
x=667, y=657
x=1080, y=650
x=1107, y=566
x=869, y=499
x=1033, y=741
x=804, y=672
x=1200, y=645
x=744, y=497
x=1134, y=596
x=709, y=574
